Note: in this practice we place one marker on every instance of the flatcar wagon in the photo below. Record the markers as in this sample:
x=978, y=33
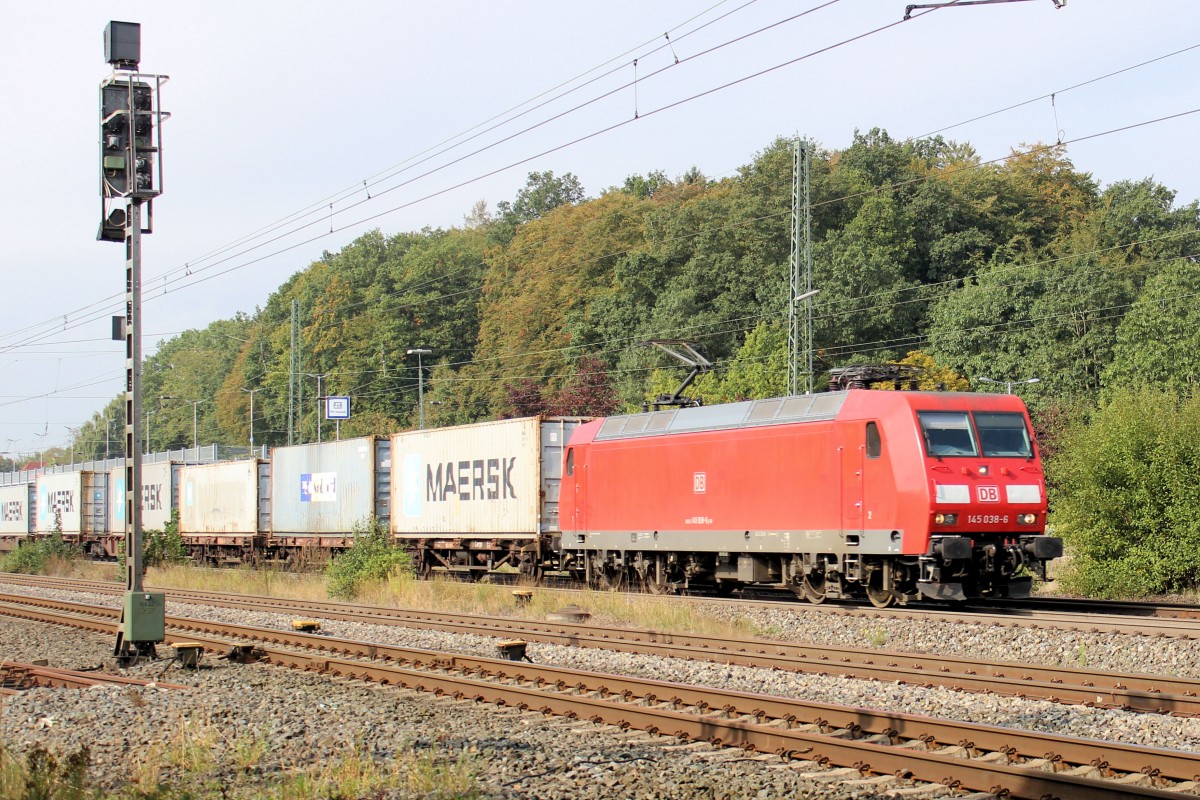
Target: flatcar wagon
x=892, y=495
x=224, y=510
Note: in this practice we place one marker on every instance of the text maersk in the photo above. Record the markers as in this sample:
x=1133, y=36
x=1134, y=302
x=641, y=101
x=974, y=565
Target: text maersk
x=479, y=479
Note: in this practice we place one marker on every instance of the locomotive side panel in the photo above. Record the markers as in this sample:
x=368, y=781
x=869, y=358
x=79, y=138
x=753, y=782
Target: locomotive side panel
x=771, y=489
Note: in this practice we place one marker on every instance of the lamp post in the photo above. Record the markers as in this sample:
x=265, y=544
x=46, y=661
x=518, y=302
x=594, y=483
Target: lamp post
x=195, y=439
x=1008, y=385
x=74, y=431
x=251, y=392
x=320, y=411
x=148, y=415
x=418, y=352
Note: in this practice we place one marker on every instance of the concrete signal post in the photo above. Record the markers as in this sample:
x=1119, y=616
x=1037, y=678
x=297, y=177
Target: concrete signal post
x=130, y=178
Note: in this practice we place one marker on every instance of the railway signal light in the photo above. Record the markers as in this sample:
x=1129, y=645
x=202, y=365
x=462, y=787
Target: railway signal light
x=127, y=141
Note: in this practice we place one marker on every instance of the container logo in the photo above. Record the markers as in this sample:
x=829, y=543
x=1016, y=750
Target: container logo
x=14, y=511
x=61, y=502
x=318, y=487
x=480, y=479
x=152, y=497
x=412, y=486
x=119, y=498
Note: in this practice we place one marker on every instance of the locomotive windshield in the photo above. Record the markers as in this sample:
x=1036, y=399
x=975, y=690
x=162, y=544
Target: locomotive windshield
x=1003, y=434
x=1000, y=434
x=947, y=433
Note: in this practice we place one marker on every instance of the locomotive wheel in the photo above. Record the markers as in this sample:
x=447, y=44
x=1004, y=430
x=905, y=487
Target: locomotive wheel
x=814, y=587
x=879, y=597
x=613, y=579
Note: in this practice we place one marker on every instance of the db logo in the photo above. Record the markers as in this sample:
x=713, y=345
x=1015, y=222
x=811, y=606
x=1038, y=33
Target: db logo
x=989, y=494
x=699, y=483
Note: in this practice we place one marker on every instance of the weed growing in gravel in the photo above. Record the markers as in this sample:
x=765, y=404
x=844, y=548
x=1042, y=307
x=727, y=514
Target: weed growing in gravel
x=876, y=637
x=373, y=557
x=247, y=750
x=43, y=776
x=428, y=775
x=46, y=555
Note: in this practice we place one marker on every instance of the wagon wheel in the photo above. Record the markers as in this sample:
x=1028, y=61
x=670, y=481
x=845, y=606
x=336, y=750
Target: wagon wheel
x=814, y=587
x=879, y=596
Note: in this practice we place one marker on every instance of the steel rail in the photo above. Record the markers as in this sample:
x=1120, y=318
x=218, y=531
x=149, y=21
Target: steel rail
x=752, y=721
x=1126, y=691
x=1169, y=626
x=16, y=676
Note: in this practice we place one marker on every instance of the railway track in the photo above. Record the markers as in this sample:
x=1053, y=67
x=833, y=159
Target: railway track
x=16, y=677
x=963, y=755
x=1136, y=619
x=1128, y=691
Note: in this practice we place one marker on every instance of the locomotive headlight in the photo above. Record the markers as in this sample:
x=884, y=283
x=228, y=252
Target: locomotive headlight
x=1026, y=519
x=983, y=470
x=945, y=519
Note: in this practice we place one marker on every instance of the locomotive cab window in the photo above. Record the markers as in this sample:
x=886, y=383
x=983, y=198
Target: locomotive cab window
x=570, y=460
x=947, y=433
x=1003, y=434
x=874, y=443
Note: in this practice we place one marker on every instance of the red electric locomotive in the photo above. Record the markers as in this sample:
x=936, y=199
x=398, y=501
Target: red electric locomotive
x=894, y=495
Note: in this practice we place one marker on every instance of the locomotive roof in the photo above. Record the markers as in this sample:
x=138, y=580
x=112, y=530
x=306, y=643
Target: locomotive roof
x=754, y=413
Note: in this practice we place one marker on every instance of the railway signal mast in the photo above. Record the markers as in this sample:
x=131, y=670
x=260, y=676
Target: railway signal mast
x=130, y=179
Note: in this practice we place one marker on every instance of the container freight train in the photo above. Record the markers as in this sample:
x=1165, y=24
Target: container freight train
x=891, y=496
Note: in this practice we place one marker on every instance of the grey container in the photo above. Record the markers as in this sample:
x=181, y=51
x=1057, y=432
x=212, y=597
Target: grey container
x=326, y=489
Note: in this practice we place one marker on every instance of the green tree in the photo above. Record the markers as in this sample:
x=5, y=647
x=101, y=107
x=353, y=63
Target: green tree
x=1128, y=503
x=1158, y=340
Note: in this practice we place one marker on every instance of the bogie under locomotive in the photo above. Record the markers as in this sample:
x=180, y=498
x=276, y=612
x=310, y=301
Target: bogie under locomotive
x=892, y=496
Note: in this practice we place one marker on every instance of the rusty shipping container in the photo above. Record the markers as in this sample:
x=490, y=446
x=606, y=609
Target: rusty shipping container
x=160, y=492
x=16, y=513
x=325, y=489
x=229, y=497
x=494, y=479
x=76, y=503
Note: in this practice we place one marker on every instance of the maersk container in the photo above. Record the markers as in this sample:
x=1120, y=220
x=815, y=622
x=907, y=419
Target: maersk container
x=325, y=489
x=494, y=479
x=160, y=493
x=75, y=503
x=16, y=512
x=230, y=497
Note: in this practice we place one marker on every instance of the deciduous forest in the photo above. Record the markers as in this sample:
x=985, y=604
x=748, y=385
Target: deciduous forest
x=1007, y=270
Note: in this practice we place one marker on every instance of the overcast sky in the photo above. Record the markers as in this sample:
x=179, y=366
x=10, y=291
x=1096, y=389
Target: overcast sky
x=283, y=107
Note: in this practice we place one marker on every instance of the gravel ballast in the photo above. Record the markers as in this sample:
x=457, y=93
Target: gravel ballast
x=308, y=718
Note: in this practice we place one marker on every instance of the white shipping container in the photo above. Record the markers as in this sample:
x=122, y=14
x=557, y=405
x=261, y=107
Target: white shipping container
x=16, y=505
x=322, y=488
x=159, y=482
x=219, y=498
x=75, y=500
x=475, y=480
